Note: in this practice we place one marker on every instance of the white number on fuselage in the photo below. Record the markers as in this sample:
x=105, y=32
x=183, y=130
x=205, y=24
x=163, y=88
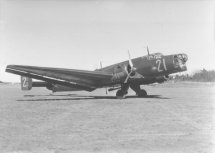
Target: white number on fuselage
x=159, y=62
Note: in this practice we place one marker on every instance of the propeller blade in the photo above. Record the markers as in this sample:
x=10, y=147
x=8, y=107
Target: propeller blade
x=130, y=62
x=132, y=68
x=129, y=75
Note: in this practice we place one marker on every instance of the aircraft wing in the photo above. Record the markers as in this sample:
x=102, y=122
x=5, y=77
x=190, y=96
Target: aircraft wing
x=80, y=79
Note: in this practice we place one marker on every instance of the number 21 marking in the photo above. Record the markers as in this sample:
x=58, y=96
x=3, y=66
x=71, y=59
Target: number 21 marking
x=25, y=83
x=159, y=61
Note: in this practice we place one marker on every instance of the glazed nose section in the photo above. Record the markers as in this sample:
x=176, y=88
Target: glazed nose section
x=180, y=61
x=184, y=57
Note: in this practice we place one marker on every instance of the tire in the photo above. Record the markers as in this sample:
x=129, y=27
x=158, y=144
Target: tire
x=120, y=94
x=142, y=93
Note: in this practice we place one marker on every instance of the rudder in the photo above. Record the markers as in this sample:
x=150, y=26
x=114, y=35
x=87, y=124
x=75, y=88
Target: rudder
x=26, y=83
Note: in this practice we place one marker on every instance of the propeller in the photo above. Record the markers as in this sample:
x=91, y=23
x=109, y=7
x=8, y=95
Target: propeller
x=133, y=69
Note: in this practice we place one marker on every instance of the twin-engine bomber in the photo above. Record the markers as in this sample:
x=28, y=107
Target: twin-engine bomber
x=132, y=73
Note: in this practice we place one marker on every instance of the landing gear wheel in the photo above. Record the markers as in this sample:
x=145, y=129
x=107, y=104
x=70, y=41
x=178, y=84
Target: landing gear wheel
x=120, y=94
x=142, y=93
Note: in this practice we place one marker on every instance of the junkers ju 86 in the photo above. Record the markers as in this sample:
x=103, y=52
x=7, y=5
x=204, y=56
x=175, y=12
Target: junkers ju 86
x=132, y=73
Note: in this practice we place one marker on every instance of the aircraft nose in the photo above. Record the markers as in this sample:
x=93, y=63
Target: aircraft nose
x=184, y=57
x=180, y=61
x=184, y=67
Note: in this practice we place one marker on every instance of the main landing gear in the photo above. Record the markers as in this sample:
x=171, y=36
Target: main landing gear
x=120, y=94
x=124, y=91
x=139, y=92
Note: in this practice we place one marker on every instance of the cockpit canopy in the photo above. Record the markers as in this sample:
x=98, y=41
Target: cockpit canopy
x=154, y=56
x=157, y=54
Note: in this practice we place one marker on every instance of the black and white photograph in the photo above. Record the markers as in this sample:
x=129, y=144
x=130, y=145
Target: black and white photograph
x=107, y=76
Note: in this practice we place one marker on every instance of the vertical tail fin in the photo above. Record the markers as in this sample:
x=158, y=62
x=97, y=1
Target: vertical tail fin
x=26, y=83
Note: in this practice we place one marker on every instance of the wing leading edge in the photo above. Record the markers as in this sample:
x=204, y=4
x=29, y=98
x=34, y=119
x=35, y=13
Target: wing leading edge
x=80, y=79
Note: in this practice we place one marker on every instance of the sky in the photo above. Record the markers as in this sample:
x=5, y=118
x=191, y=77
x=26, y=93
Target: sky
x=80, y=34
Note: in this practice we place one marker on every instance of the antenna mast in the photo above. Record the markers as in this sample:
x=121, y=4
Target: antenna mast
x=147, y=50
x=101, y=64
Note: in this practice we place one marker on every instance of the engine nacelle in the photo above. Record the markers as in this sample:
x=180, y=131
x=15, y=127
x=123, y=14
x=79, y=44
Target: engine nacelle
x=119, y=77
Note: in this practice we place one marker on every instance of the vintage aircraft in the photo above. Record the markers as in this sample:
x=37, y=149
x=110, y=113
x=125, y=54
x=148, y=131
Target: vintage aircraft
x=131, y=73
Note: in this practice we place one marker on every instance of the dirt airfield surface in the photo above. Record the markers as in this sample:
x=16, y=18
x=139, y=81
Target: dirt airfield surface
x=174, y=118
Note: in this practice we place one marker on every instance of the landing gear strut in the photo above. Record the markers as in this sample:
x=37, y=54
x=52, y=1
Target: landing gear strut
x=139, y=92
x=123, y=91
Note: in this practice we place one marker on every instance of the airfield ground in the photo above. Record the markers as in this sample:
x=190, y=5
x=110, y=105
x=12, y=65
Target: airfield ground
x=175, y=118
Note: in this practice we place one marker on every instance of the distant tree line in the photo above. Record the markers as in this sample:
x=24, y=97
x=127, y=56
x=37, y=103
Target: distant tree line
x=200, y=76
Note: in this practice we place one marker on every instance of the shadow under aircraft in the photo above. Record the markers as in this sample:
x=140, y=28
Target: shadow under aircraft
x=152, y=68
x=82, y=97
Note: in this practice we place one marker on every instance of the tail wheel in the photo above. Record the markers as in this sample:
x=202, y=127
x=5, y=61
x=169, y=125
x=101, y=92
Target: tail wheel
x=142, y=93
